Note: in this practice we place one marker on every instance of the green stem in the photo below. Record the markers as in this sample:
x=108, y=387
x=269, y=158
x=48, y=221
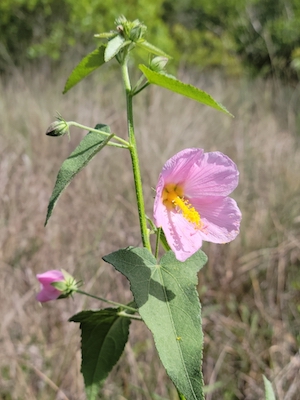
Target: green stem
x=124, y=314
x=125, y=143
x=120, y=146
x=135, y=159
x=157, y=242
x=107, y=301
x=141, y=88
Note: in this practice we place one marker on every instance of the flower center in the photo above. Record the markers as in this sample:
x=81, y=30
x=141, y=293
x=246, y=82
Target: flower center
x=173, y=198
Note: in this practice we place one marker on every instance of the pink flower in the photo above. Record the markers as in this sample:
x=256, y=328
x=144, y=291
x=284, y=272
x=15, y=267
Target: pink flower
x=49, y=292
x=191, y=203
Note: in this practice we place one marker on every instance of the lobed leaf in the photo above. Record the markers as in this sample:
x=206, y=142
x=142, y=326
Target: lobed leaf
x=184, y=89
x=90, y=145
x=168, y=302
x=87, y=65
x=103, y=338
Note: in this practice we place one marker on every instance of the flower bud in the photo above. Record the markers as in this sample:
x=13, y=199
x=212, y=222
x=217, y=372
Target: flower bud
x=130, y=30
x=55, y=285
x=58, y=128
x=158, y=64
x=137, y=31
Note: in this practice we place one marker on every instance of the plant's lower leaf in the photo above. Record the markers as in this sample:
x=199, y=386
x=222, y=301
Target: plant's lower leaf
x=90, y=145
x=168, y=302
x=269, y=392
x=184, y=89
x=103, y=338
x=87, y=65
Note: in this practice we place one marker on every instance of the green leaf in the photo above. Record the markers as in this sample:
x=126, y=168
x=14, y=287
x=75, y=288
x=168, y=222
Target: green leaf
x=269, y=392
x=103, y=338
x=164, y=241
x=151, y=49
x=184, y=89
x=114, y=46
x=106, y=35
x=87, y=65
x=168, y=303
x=90, y=145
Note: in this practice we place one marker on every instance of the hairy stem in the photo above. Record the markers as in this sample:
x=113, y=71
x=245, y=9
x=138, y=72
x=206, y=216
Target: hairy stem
x=108, y=301
x=135, y=159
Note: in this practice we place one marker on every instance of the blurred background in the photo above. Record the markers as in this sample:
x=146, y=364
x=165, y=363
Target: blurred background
x=245, y=53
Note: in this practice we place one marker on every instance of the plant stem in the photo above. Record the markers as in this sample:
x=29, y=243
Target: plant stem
x=108, y=301
x=141, y=88
x=120, y=146
x=73, y=123
x=135, y=159
x=125, y=315
x=157, y=242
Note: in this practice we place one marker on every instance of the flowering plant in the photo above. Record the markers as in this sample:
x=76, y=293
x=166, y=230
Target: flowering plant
x=191, y=205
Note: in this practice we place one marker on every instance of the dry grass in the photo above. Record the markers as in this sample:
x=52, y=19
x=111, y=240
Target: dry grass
x=250, y=289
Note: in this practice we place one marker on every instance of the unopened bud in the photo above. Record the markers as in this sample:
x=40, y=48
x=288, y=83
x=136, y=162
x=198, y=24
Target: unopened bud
x=137, y=31
x=55, y=284
x=58, y=128
x=130, y=30
x=66, y=286
x=158, y=63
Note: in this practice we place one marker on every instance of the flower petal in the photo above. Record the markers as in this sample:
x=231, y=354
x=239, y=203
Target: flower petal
x=181, y=235
x=49, y=292
x=214, y=174
x=50, y=276
x=177, y=167
x=221, y=218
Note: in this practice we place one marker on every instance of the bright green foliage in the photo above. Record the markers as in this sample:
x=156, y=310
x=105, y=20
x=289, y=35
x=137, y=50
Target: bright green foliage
x=143, y=44
x=262, y=34
x=103, y=337
x=87, y=65
x=114, y=46
x=269, y=393
x=168, y=302
x=170, y=83
x=90, y=145
x=51, y=27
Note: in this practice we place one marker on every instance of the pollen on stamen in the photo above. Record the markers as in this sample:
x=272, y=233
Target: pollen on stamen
x=189, y=212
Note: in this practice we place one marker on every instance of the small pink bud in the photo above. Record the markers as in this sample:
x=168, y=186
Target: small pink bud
x=55, y=284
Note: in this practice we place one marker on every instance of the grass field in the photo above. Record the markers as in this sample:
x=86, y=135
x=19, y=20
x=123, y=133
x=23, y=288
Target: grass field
x=249, y=289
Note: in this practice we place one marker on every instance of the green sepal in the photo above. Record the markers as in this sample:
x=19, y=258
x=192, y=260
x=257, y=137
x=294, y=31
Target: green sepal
x=143, y=44
x=90, y=145
x=86, y=66
x=269, y=392
x=176, y=86
x=103, y=337
x=165, y=293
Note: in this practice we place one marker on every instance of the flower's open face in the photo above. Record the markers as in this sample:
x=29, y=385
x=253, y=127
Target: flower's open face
x=192, y=202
